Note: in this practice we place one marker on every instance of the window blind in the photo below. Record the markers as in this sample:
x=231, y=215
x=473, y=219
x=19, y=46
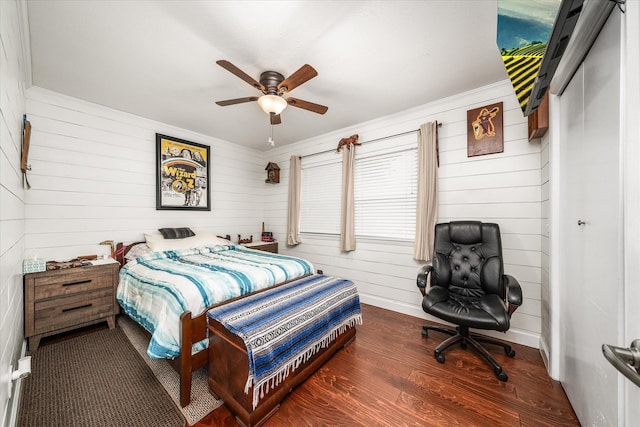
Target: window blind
x=386, y=187
x=320, y=196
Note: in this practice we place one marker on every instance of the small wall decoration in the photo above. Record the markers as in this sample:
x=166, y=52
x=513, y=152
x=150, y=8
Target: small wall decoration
x=273, y=173
x=348, y=142
x=182, y=174
x=24, y=158
x=484, y=130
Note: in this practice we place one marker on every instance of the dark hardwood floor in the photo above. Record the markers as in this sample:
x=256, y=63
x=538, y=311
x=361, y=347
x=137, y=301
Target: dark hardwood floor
x=389, y=377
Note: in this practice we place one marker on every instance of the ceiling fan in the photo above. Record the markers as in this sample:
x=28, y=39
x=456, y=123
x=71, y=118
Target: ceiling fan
x=273, y=85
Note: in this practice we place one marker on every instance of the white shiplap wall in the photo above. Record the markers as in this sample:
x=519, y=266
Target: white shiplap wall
x=503, y=188
x=13, y=75
x=93, y=179
x=546, y=346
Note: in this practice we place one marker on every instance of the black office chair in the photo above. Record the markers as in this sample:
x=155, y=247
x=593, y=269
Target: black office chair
x=469, y=288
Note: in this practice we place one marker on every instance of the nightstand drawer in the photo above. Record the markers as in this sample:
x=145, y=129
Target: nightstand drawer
x=49, y=287
x=58, y=313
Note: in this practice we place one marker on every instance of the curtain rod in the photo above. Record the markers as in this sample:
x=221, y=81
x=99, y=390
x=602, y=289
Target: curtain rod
x=371, y=140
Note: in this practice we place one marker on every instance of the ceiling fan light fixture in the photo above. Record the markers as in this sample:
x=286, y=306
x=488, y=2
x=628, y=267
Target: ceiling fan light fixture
x=272, y=104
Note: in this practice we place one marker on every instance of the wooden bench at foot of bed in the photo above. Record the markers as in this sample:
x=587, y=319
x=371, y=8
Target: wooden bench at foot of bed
x=290, y=331
x=228, y=371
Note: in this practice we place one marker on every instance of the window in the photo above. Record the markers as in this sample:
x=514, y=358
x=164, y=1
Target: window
x=385, y=189
x=386, y=181
x=320, y=196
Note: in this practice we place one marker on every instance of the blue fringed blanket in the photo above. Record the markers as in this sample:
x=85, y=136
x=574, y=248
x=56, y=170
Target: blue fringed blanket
x=284, y=326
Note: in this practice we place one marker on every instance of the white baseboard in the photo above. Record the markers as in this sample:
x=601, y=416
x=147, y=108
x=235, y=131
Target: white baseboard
x=17, y=395
x=512, y=335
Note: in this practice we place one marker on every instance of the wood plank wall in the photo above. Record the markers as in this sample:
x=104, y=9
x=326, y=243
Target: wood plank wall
x=505, y=188
x=93, y=179
x=13, y=72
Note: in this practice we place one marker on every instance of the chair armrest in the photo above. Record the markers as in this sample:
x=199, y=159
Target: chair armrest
x=514, y=293
x=421, y=280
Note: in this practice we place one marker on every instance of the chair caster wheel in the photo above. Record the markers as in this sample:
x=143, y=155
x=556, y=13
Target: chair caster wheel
x=425, y=332
x=439, y=357
x=502, y=376
x=510, y=352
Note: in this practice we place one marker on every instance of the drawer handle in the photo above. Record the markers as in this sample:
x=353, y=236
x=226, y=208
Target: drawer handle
x=80, y=282
x=64, y=310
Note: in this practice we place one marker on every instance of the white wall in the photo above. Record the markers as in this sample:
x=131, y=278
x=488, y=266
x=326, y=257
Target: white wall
x=546, y=310
x=503, y=188
x=13, y=75
x=93, y=179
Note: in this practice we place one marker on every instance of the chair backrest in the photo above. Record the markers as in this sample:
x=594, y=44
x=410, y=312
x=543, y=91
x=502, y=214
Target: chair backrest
x=468, y=258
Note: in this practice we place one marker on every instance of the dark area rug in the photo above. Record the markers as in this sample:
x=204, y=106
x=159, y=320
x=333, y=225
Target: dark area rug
x=97, y=379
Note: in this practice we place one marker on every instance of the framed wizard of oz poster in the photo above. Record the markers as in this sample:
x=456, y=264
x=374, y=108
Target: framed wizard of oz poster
x=484, y=130
x=182, y=174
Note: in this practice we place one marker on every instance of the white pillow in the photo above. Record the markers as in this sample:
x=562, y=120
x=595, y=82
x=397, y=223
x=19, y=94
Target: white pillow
x=157, y=243
x=137, y=250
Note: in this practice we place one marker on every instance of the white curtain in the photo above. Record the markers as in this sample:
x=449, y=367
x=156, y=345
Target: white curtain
x=347, y=215
x=427, y=203
x=293, y=208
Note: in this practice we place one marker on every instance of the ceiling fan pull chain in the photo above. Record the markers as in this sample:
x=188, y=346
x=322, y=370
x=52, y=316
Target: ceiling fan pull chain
x=270, y=140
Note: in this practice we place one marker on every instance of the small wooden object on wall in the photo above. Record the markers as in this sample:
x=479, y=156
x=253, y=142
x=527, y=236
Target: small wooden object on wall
x=539, y=119
x=348, y=142
x=484, y=130
x=273, y=173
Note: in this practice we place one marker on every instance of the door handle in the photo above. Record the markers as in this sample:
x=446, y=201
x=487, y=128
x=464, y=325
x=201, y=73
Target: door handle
x=625, y=360
x=581, y=222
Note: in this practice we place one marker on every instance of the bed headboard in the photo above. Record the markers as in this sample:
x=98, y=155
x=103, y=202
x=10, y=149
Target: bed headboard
x=122, y=250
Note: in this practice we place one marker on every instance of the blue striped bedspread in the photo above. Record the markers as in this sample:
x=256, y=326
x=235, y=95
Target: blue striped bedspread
x=155, y=289
x=285, y=326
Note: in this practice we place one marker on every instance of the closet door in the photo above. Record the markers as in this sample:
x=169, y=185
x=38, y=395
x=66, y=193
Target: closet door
x=591, y=260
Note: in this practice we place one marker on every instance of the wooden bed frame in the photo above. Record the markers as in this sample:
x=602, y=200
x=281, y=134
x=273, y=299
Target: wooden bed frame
x=229, y=369
x=192, y=330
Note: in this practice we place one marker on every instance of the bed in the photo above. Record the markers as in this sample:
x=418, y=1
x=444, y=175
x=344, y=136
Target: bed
x=167, y=286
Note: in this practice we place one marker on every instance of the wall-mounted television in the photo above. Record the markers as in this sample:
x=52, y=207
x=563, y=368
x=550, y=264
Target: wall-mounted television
x=532, y=36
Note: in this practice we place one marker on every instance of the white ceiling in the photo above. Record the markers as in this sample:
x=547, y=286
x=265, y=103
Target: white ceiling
x=157, y=59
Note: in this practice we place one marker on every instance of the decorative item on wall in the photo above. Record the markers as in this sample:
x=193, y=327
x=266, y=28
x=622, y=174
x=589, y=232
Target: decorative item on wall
x=538, y=121
x=182, y=174
x=273, y=173
x=484, y=130
x=26, y=138
x=348, y=142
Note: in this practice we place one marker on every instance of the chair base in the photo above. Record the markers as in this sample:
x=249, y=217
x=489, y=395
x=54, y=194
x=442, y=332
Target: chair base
x=461, y=335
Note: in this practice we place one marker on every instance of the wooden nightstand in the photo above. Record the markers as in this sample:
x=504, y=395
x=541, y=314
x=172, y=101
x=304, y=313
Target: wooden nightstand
x=263, y=246
x=61, y=300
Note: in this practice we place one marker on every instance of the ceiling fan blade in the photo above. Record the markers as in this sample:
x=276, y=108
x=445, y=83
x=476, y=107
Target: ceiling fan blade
x=236, y=101
x=306, y=105
x=304, y=74
x=238, y=72
x=275, y=119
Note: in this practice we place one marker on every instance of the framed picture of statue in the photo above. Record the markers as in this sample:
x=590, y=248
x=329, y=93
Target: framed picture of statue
x=182, y=174
x=485, y=130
